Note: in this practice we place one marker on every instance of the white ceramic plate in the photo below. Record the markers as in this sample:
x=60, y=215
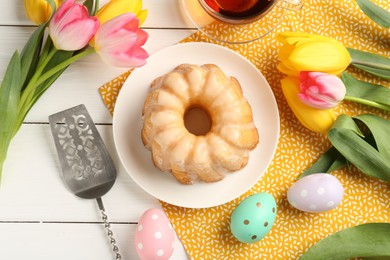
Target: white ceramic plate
x=127, y=126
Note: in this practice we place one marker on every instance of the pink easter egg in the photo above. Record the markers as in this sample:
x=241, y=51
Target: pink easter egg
x=154, y=236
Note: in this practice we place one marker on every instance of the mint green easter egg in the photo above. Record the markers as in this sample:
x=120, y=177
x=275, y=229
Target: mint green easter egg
x=253, y=218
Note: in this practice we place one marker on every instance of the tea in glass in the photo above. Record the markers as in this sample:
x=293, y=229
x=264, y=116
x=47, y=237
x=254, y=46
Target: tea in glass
x=239, y=10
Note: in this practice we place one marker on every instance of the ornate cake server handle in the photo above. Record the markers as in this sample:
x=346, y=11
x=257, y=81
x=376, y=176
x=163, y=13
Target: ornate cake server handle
x=107, y=226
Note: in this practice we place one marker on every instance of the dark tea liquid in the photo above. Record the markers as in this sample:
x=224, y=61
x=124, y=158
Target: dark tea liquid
x=239, y=9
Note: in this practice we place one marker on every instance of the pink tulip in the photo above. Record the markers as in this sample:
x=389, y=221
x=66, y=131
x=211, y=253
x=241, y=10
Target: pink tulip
x=71, y=28
x=119, y=41
x=320, y=90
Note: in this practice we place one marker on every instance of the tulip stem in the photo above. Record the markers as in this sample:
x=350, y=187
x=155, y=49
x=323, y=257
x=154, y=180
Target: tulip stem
x=45, y=50
x=367, y=102
x=64, y=64
x=30, y=88
x=29, y=91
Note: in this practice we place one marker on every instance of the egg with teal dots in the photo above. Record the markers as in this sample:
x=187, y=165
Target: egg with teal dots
x=253, y=218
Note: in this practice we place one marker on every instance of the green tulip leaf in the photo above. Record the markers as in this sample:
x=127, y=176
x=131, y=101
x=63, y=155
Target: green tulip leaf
x=330, y=161
x=339, y=163
x=375, y=64
x=375, y=13
x=44, y=86
x=30, y=54
x=333, y=160
x=345, y=122
x=366, y=93
x=379, y=72
x=10, y=93
x=379, y=129
x=359, y=151
x=366, y=240
x=9, y=101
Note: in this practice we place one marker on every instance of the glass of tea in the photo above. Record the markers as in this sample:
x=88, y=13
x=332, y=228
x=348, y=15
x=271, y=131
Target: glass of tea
x=237, y=21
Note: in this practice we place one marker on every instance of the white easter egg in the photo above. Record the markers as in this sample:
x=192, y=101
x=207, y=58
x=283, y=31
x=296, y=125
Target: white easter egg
x=315, y=193
x=154, y=236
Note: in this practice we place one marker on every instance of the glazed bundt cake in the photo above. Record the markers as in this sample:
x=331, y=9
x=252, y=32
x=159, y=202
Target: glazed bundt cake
x=190, y=156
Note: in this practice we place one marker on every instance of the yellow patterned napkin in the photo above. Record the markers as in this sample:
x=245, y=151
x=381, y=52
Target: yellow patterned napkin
x=205, y=232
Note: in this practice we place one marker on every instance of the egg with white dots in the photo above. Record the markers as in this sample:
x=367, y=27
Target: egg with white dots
x=253, y=218
x=316, y=193
x=154, y=236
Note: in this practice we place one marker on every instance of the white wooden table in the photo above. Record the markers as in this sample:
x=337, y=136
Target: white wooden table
x=39, y=218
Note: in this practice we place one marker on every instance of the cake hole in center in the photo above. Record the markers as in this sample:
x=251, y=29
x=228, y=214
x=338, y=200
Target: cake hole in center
x=197, y=121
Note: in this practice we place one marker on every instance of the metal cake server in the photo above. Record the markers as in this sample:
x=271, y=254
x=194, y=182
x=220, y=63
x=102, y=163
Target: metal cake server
x=87, y=168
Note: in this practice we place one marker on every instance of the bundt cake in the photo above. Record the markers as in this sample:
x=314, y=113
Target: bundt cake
x=187, y=155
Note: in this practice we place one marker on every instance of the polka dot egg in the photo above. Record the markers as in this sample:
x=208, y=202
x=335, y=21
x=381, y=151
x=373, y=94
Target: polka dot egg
x=315, y=193
x=253, y=218
x=154, y=236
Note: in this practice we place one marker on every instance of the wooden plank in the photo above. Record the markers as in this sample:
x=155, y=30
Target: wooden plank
x=64, y=241
x=80, y=82
x=162, y=14
x=32, y=188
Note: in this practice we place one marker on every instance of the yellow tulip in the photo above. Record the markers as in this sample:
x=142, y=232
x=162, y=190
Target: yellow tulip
x=117, y=7
x=39, y=11
x=310, y=52
x=317, y=120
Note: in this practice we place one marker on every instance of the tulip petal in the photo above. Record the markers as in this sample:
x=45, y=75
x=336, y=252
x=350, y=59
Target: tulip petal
x=320, y=56
x=296, y=40
x=71, y=27
x=126, y=20
x=64, y=7
x=121, y=41
x=320, y=90
x=117, y=28
x=74, y=12
x=118, y=42
x=294, y=36
x=142, y=37
x=115, y=8
x=285, y=52
x=76, y=34
x=38, y=11
x=142, y=16
x=317, y=120
x=136, y=58
x=284, y=55
x=319, y=102
x=311, y=52
x=282, y=68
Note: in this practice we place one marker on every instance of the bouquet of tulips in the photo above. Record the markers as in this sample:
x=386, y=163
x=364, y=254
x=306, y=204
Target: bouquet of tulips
x=67, y=31
x=313, y=88
x=316, y=83
x=313, y=64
